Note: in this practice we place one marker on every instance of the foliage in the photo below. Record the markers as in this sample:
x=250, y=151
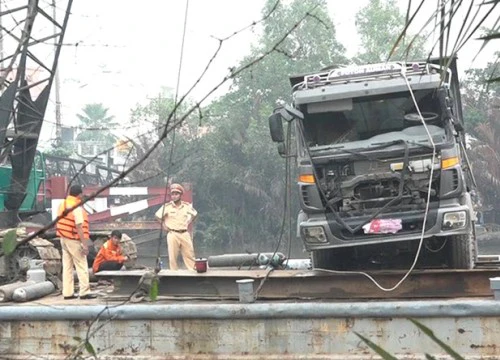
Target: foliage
x=428, y=332
x=90, y=348
x=434, y=338
x=384, y=354
x=241, y=188
x=481, y=105
x=379, y=24
x=77, y=351
x=64, y=150
x=455, y=23
x=227, y=154
x=9, y=242
x=167, y=163
x=153, y=291
x=485, y=157
x=478, y=94
x=96, y=123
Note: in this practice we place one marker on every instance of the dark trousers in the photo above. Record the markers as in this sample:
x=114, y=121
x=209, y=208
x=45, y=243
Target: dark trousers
x=110, y=265
x=91, y=256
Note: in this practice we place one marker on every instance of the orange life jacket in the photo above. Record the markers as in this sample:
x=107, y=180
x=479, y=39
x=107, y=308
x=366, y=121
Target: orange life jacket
x=66, y=226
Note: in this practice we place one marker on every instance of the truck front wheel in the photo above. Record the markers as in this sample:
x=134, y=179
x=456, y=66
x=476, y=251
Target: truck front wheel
x=461, y=251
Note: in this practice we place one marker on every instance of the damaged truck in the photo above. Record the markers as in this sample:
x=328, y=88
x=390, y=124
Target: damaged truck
x=383, y=176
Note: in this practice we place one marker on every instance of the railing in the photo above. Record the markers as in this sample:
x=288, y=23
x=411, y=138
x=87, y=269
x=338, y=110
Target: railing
x=370, y=72
x=85, y=174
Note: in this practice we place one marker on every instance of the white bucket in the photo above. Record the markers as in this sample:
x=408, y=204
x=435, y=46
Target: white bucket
x=245, y=290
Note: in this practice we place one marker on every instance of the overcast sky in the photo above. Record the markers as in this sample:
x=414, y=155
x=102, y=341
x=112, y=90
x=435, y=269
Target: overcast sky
x=129, y=50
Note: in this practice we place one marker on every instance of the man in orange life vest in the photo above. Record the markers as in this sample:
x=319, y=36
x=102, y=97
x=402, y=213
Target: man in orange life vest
x=175, y=217
x=110, y=255
x=73, y=229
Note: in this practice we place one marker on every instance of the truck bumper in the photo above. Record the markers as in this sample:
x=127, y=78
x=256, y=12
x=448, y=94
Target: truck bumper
x=336, y=235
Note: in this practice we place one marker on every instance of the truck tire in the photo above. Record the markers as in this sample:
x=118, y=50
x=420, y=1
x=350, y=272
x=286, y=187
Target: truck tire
x=475, y=248
x=462, y=252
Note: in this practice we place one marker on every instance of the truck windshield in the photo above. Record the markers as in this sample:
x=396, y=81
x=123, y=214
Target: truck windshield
x=371, y=116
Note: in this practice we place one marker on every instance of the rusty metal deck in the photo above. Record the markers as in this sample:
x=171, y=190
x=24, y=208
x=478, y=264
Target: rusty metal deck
x=277, y=330
x=307, y=284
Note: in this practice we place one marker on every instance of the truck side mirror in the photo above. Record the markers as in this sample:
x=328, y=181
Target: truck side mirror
x=282, y=149
x=276, y=128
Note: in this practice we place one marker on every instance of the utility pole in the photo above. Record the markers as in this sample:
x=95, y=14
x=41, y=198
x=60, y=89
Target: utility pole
x=57, y=85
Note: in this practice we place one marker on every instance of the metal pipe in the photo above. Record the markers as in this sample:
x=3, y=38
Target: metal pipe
x=34, y=291
x=6, y=291
x=385, y=309
x=238, y=260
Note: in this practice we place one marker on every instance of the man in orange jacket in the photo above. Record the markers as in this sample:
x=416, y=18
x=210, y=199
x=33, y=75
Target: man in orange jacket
x=73, y=230
x=110, y=255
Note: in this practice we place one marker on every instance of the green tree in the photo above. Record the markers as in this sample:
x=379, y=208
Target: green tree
x=379, y=25
x=240, y=186
x=481, y=104
x=64, y=150
x=485, y=157
x=237, y=175
x=171, y=161
x=96, y=123
x=478, y=93
x=312, y=45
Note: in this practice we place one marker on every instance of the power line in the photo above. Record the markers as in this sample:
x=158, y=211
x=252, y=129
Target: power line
x=158, y=260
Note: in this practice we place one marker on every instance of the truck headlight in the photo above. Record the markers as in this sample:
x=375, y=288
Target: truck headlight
x=314, y=234
x=454, y=220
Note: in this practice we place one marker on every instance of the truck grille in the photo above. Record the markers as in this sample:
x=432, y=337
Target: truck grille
x=305, y=195
x=455, y=179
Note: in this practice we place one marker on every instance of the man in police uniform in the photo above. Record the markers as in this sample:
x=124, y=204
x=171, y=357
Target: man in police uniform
x=175, y=217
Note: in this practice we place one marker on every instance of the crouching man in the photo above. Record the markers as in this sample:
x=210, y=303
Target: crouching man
x=110, y=255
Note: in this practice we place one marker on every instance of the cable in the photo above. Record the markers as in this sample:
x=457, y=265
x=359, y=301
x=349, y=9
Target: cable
x=286, y=204
x=37, y=120
x=286, y=211
x=400, y=190
x=106, y=151
x=158, y=259
x=289, y=195
x=437, y=250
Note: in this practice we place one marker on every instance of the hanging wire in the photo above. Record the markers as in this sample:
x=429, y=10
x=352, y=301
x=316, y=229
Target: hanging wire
x=172, y=147
x=286, y=213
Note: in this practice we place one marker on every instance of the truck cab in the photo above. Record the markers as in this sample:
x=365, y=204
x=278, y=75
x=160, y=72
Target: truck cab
x=383, y=174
